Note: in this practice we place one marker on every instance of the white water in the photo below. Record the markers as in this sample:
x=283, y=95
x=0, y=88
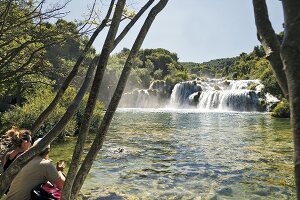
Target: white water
x=203, y=94
x=218, y=94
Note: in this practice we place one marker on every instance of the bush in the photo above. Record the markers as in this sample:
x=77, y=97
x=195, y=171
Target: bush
x=282, y=109
x=25, y=116
x=97, y=115
x=252, y=86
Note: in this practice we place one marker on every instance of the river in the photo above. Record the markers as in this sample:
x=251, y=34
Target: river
x=188, y=154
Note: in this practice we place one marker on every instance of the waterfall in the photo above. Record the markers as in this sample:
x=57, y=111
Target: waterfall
x=143, y=99
x=240, y=100
x=218, y=94
x=202, y=94
x=181, y=93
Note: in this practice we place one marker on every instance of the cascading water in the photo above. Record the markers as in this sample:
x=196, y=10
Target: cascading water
x=182, y=92
x=202, y=94
x=217, y=94
x=230, y=100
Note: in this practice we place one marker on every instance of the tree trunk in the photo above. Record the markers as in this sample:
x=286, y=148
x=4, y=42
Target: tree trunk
x=43, y=116
x=90, y=106
x=101, y=133
x=270, y=42
x=23, y=159
x=132, y=22
x=84, y=128
x=290, y=59
x=290, y=53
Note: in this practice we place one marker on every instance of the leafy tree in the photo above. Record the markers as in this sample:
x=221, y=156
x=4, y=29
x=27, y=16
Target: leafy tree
x=158, y=74
x=24, y=36
x=63, y=55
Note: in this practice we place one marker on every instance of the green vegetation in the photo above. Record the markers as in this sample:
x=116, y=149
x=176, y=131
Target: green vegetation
x=160, y=64
x=35, y=52
x=282, y=109
x=215, y=68
x=24, y=116
x=35, y=57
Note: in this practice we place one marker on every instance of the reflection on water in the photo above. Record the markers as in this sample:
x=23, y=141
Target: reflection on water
x=193, y=155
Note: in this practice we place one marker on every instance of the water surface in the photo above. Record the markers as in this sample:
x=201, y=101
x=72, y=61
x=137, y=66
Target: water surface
x=179, y=154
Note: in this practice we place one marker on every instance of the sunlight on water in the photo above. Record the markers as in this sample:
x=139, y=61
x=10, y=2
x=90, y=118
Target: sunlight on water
x=187, y=154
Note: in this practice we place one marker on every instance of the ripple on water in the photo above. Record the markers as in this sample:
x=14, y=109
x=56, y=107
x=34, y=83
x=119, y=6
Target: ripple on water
x=194, y=155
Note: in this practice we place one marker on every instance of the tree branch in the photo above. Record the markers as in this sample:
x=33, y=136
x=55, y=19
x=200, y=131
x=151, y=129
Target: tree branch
x=23, y=159
x=101, y=133
x=43, y=116
x=95, y=89
x=270, y=42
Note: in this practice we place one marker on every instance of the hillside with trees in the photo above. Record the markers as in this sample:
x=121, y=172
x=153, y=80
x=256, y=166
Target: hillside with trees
x=161, y=64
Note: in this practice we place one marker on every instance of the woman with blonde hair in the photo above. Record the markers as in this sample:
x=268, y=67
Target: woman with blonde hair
x=21, y=140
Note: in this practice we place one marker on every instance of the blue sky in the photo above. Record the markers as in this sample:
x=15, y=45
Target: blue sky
x=197, y=30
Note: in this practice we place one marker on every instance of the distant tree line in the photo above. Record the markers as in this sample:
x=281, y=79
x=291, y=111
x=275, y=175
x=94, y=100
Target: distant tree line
x=161, y=64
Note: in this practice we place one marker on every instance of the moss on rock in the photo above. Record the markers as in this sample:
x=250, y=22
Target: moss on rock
x=282, y=110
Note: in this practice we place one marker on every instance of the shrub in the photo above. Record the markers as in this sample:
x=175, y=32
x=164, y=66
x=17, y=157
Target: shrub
x=282, y=109
x=252, y=86
x=24, y=116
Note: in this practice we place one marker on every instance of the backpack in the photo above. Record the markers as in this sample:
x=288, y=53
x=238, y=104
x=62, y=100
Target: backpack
x=45, y=191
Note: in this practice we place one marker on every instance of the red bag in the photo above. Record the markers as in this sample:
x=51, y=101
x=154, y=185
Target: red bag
x=45, y=191
x=54, y=191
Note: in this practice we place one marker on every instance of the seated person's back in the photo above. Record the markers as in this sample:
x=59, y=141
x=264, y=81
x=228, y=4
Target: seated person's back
x=38, y=170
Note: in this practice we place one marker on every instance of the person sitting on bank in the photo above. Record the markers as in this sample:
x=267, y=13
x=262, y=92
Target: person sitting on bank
x=21, y=140
x=39, y=170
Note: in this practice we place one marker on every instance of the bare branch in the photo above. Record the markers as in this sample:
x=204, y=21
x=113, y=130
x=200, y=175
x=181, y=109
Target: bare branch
x=89, y=17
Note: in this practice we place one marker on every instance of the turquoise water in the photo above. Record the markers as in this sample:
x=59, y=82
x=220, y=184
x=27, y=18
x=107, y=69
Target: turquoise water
x=181, y=154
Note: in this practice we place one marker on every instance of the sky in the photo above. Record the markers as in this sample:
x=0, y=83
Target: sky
x=197, y=30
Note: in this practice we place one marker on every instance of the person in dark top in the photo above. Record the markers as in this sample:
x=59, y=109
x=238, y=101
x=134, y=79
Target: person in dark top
x=21, y=140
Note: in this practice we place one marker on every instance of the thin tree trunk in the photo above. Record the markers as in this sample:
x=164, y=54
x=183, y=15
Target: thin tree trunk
x=290, y=53
x=43, y=116
x=40, y=120
x=74, y=165
x=98, y=142
x=132, y=22
x=270, y=43
x=90, y=106
x=23, y=159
